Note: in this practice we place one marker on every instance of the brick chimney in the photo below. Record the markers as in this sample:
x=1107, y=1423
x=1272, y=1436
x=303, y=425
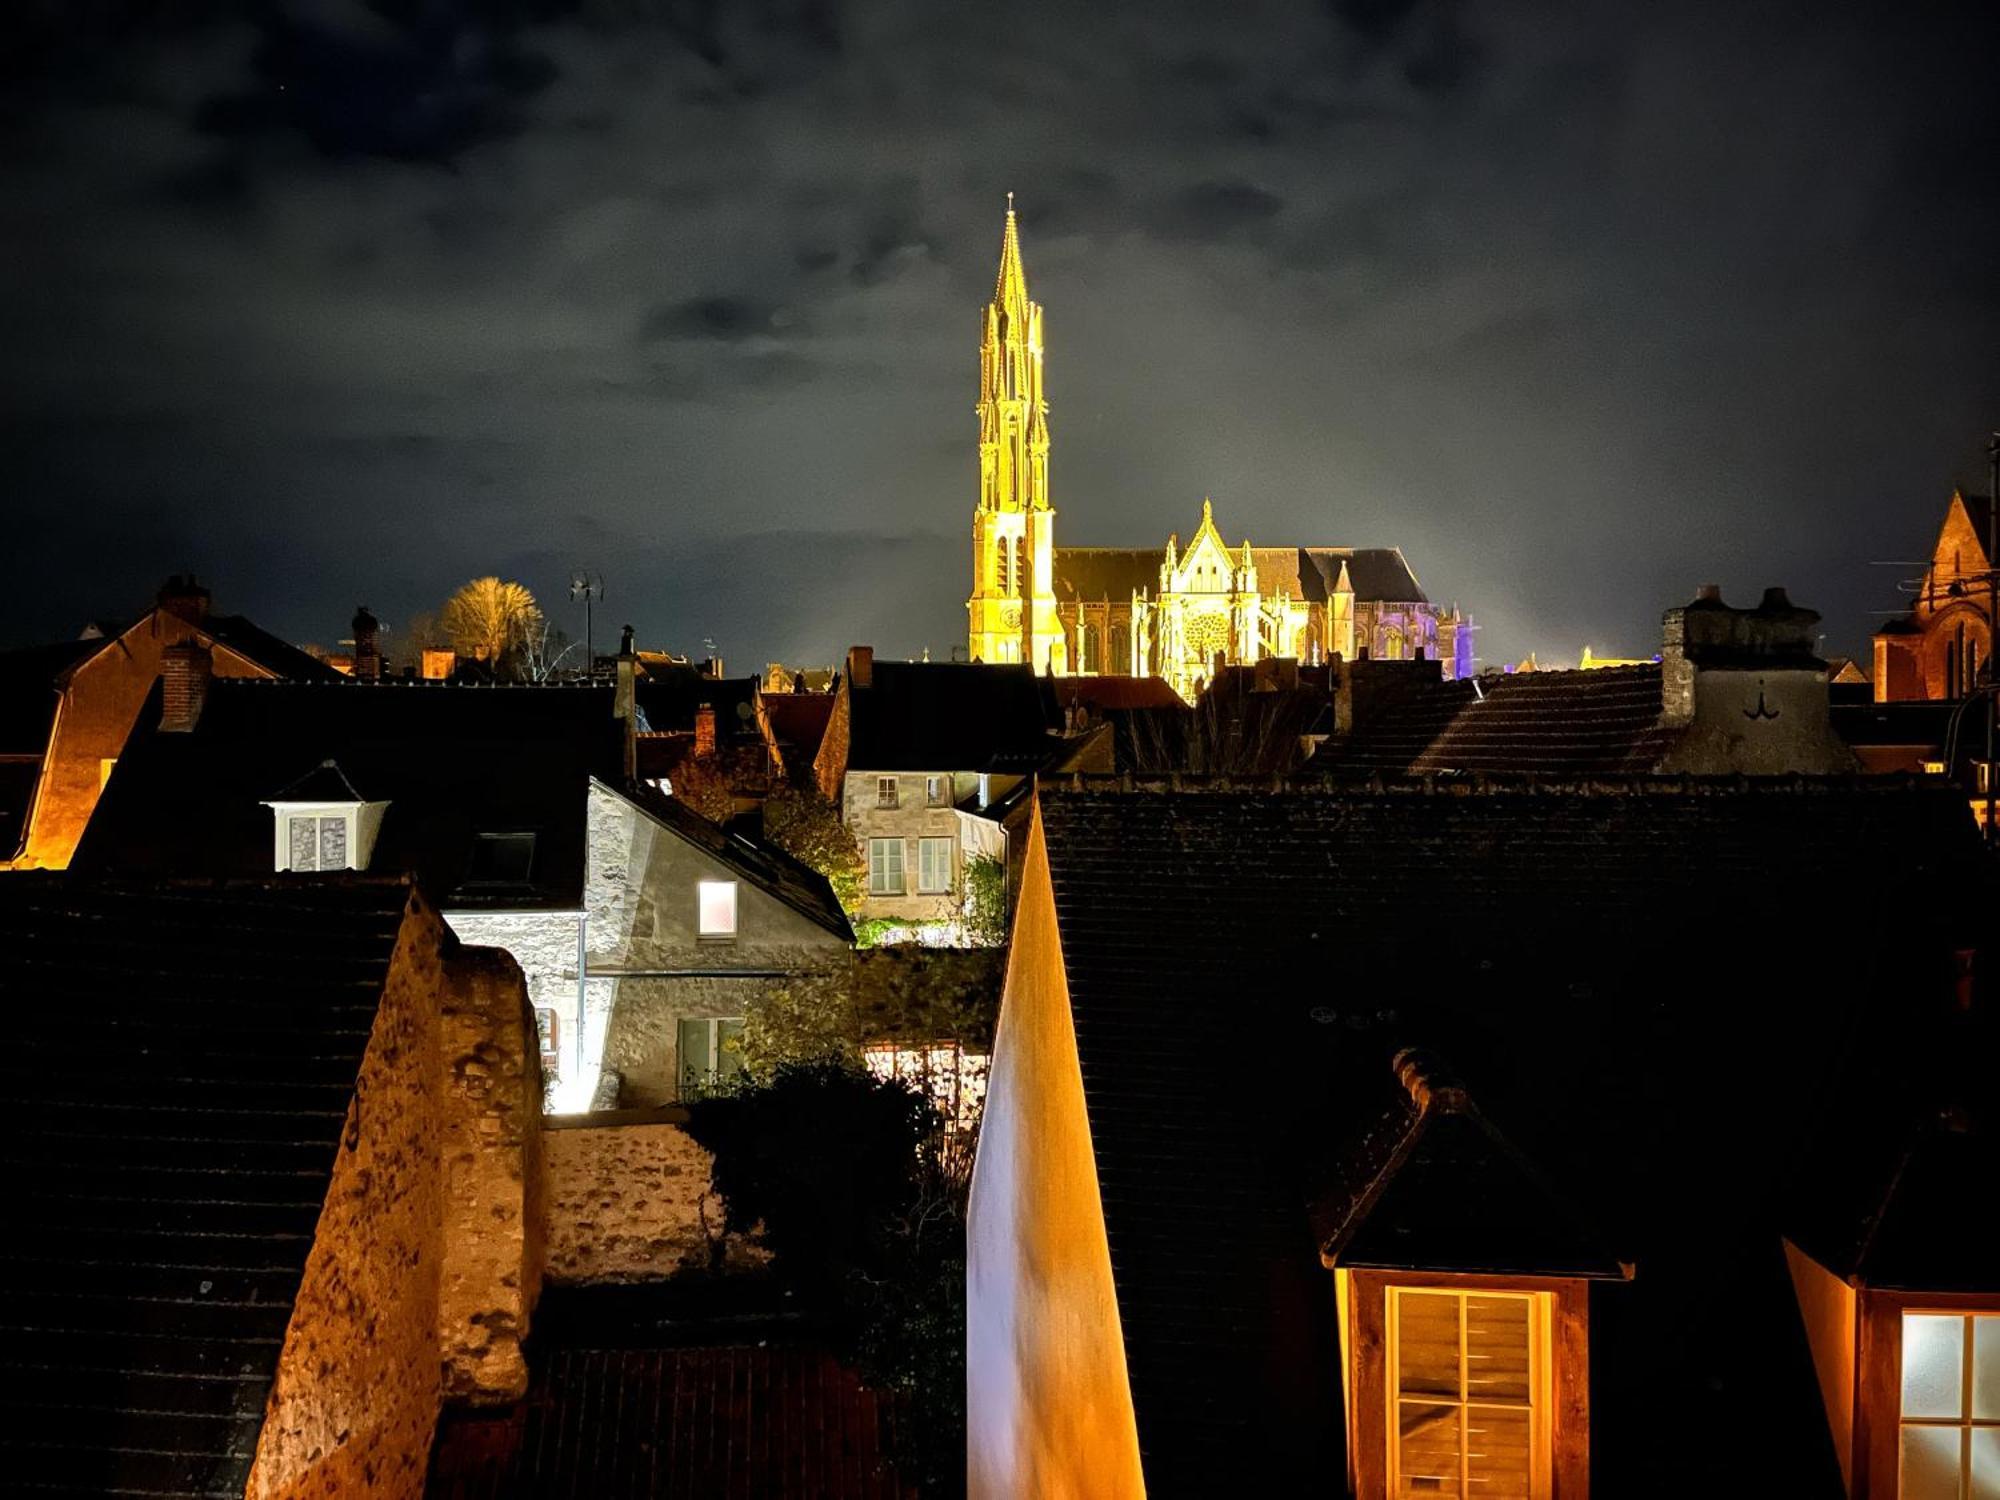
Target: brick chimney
x=704, y=729
x=181, y=596
x=185, y=668
x=367, y=646
x=860, y=666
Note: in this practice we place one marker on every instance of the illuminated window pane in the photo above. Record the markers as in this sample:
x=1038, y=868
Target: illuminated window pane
x=933, y=866
x=303, y=839
x=1933, y=1365
x=1427, y=1442
x=1986, y=1369
x=1498, y=1456
x=1986, y=1463
x=716, y=900
x=1930, y=1464
x=1496, y=1349
x=1466, y=1391
x=885, y=867
x=1427, y=1344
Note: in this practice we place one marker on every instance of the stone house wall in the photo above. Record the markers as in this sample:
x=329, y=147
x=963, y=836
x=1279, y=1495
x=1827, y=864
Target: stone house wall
x=630, y=1199
x=913, y=818
x=426, y=1254
x=548, y=945
x=648, y=965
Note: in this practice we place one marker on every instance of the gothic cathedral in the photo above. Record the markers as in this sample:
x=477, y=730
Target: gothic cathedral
x=1013, y=603
x=1177, y=613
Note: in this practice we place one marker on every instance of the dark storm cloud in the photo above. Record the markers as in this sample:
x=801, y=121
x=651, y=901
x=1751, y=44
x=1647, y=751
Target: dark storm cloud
x=1581, y=305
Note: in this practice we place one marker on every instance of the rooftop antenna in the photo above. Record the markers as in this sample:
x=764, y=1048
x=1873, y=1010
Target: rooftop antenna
x=589, y=587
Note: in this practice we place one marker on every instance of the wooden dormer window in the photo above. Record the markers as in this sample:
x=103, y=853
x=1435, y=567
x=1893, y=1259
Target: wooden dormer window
x=1950, y=1408
x=1466, y=1386
x=1468, y=1373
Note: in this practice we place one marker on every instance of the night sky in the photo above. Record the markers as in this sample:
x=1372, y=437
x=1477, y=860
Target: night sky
x=340, y=301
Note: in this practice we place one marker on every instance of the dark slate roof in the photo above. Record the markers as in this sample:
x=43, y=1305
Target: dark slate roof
x=798, y=723
x=30, y=681
x=1632, y=979
x=622, y=1405
x=1106, y=691
x=1908, y=723
x=179, y=1067
x=951, y=716
x=1379, y=574
x=452, y=762
x=267, y=650
x=1400, y=711
x=770, y=869
x=1883, y=1201
x=1443, y=1190
x=669, y=695
x=325, y=782
x=1599, y=723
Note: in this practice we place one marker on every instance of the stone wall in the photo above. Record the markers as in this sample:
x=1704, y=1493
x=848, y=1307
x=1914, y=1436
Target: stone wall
x=495, y=1181
x=356, y=1396
x=630, y=1199
x=548, y=945
x=427, y=1255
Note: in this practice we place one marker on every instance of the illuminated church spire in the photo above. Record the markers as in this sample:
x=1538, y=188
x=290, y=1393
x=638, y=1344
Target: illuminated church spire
x=1012, y=609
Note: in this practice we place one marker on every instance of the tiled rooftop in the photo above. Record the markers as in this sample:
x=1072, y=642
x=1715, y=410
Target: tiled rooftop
x=180, y=1064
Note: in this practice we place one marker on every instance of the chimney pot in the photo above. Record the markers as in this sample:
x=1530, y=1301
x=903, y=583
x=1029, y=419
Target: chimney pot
x=180, y=595
x=1776, y=598
x=1708, y=593
x=860, y=666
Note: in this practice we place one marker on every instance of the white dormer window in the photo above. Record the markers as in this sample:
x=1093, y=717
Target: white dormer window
x=320, y=823
x=317, y=837
x=318, y=841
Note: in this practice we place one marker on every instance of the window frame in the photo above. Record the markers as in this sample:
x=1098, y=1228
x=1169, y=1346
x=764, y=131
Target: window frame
x=496, y=839
x=701, y=927
x=289, y=815
x=937, y=791
x=710, y=1071
x=888, y=793
x=902, y=885
x=1362, y=1303
x=1541, y=1314
x=1877, y=1413
x=1967, y=1422
x=930, y=841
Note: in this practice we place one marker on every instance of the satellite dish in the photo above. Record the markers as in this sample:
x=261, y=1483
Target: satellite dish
x=743, y=712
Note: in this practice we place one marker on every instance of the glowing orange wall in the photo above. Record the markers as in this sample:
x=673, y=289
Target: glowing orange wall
x=1048, y=1404
x=1826, y=1304
x=99, y=706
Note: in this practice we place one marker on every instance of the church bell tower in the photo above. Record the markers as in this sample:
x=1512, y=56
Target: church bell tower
x=1012, y=611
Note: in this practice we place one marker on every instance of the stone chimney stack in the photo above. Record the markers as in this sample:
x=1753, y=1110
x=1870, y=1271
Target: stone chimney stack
x=625, y=701
x=367, y=646
x=185, y=669
x=860, y=666
x=182, y=597
x=1748, y=688
x=704, y=729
